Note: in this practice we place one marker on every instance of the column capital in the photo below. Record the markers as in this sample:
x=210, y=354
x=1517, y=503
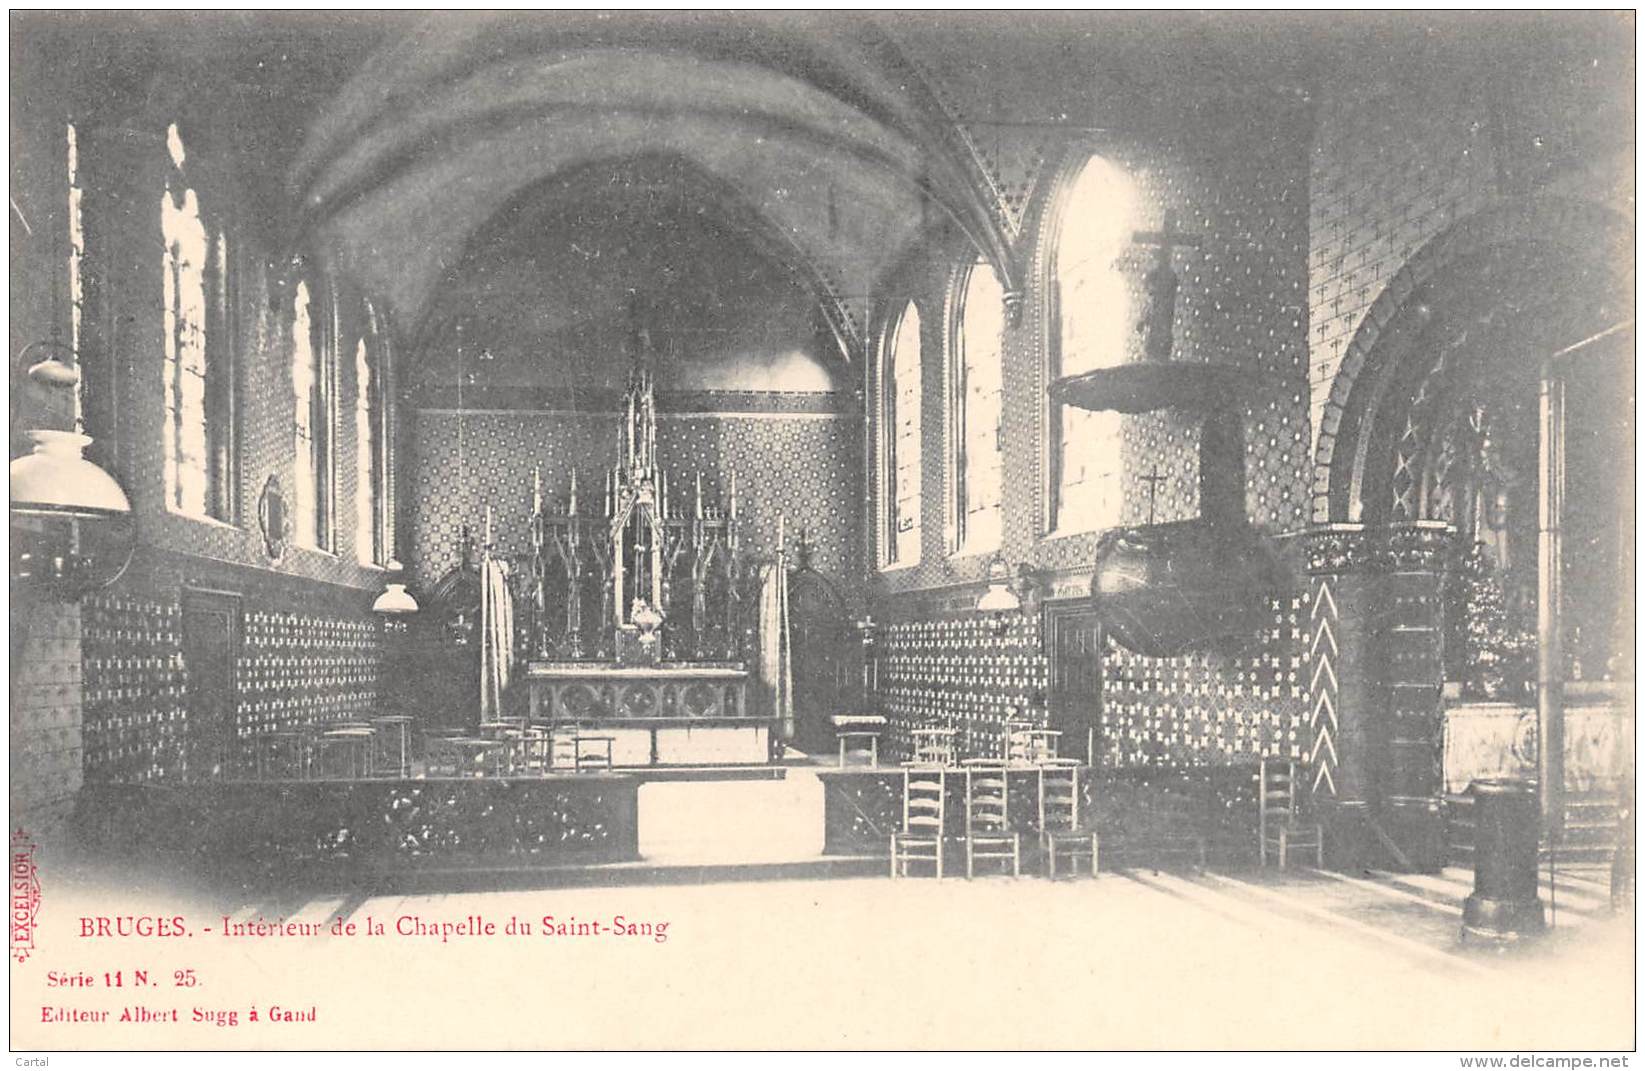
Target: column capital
x=1418, y=546
x=1014, y=300
x=1338, y=548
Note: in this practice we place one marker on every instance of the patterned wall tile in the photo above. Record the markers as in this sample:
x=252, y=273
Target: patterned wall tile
x=293, y=669
x=1395, y=162
x=962, y=673
x=804, y=468
x=1210, y=708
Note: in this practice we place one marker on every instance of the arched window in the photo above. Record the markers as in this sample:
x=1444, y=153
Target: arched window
x=975, y=379
x=1094, y=325
x=197, y=452
x=371, y=437
x=313, y=377
x=900, y=440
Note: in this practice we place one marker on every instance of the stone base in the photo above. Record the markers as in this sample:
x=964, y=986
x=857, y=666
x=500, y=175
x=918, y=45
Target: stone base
x=1416, y=828
x=1500, y=921
x=1348, y=835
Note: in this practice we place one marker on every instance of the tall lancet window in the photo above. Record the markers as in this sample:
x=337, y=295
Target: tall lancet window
x=371, y=432
x=974, y=392
x=312, y=375
x=197, y=450
x=1094, y=321
x=900, y=440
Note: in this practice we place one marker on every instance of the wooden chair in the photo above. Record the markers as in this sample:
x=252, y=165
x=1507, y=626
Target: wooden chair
x=1019, y=743
x=924, y=802
x=1280, y=827
x=562, y=747
x=933, y=746
x=988, y=833
x=594, y=752
x=1060, y=829
x=527, y=751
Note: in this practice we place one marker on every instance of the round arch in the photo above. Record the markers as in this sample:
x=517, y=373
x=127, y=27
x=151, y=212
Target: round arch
x=1380, y=385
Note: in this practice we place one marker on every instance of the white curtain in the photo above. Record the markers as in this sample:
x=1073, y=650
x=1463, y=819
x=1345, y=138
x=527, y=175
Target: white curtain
x=776, y=658
x=496, y=637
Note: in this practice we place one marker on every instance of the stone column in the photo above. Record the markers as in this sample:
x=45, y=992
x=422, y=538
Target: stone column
x=1408, y=780
x=1342, y=687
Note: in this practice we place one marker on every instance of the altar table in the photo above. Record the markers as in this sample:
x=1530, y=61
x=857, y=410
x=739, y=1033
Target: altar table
x=671, y=714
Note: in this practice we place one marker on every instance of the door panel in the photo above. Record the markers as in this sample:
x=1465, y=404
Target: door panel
x=211, y=642
x=1074, y=706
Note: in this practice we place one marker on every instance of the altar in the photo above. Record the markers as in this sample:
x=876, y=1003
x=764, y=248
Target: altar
x=669, y=714
x=638, y=626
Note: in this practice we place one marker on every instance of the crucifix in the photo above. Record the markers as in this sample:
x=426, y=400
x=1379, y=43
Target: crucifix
x=1160, y=285
x=1153, y=480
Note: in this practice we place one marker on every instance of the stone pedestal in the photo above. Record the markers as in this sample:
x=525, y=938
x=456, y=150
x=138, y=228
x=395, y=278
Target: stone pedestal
x=1504, y=905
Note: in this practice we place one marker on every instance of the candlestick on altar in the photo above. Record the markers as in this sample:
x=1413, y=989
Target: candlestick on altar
x=608, y=494
x=781, y=519
x=572, y=510
x=536, y=490
x=488, y=528
x=733, y=496
x=699, y=496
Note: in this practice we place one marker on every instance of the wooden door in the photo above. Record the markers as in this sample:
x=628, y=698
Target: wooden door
x=1074, y=706
x=827, y=679
x=211, y=642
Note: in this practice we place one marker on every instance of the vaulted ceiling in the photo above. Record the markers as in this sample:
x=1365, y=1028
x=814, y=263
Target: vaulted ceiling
x=822, y=131
x=393, y=139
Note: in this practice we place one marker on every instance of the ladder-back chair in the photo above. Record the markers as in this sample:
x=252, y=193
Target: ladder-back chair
x=1060, y=830
x=924, y=801
x=1281, y=828
x=988, y=833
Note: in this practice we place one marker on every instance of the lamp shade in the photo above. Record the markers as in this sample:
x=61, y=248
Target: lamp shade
x=72, y=528
x=395, y=599
x=56, y=479
x=999, y=598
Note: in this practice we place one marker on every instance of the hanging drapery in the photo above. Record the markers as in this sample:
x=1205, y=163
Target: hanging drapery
x=496, y=636
x=776, y=657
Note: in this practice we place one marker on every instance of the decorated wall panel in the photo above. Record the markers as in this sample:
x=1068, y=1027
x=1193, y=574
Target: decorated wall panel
x=295, y=666
x=1210, y=708
x=961, y=671
x=802, y=467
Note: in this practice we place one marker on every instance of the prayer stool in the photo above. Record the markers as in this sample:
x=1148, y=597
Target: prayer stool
x=1019, y=743
x=442, y=757
x=393, y=744
x=932, y=746
x=562, y=747
x=281, y=754
x=345, y=752
x=531, y=753
x=594, y=752
x=477, y=756
x=857, y=728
